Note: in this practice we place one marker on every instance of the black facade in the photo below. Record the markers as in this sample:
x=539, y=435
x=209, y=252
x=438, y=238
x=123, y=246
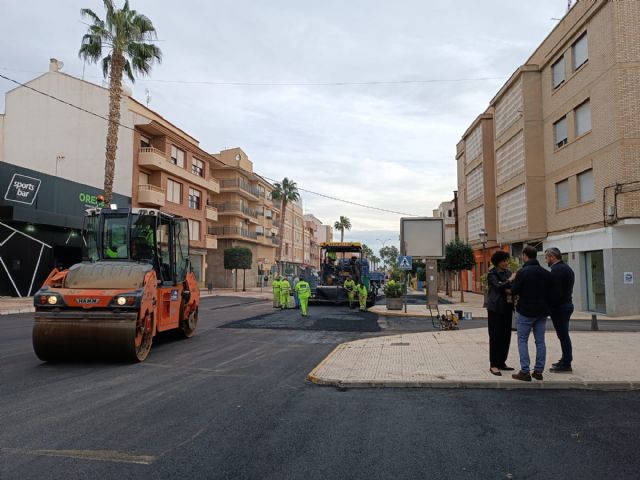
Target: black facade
x=41, y=220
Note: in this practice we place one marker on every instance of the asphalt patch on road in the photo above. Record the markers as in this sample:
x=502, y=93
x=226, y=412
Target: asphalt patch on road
x=337, y=321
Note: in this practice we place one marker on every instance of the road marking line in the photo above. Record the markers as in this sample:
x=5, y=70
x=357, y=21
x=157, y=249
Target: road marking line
x=100, y=455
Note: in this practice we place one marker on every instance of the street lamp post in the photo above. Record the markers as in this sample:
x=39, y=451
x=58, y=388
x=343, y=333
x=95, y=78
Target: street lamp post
x=483, y=239
x=383, y=242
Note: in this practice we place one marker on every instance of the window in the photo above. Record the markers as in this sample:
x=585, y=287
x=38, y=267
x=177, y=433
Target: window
x=197, y=167
x=145, y=142
x=174, y=191
x=557, y=73
x=177, y=156
x=268, y=214
x=194, y=230
x=580, y=52
x=562, y=194
x=449, y=213
x=143, y=178
x=583, y=118
x=259, y=230
x=560, y=132
x=194, y=199
x=585, y=186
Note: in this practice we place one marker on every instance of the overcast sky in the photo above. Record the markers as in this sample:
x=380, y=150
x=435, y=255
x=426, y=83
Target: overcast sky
x=390, y=146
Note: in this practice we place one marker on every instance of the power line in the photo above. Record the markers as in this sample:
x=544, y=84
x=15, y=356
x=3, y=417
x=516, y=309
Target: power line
x=53, y=97
x=304, y=84
x=349, y=201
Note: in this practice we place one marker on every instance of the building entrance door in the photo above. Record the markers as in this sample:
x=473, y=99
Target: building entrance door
x=595, y=281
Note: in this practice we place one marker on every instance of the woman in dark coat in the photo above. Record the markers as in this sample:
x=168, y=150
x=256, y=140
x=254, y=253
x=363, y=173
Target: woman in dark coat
x=499, y=308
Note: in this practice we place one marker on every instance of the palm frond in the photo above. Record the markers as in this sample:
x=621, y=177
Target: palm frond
x=88, y=13
x=128, y=71
x=106, y=65
x=90, y=48
x=143, y=56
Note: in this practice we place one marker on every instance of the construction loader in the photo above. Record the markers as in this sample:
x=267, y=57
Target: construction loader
x=134, y=282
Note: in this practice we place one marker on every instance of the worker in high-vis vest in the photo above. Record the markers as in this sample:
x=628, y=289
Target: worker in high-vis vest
x=350, y=286
x=362, y=296
x=285, y=290
x=276, y=291
x=303, y=289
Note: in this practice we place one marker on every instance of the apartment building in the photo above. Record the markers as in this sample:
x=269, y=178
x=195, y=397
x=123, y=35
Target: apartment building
x=247, y=216
x=172, y=173
x=51, y=170
x=567, y=153
x=447, y=211
x=292, y=253
x=314, y=227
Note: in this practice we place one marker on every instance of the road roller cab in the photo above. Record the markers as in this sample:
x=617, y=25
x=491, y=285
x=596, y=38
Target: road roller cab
x=135, y=281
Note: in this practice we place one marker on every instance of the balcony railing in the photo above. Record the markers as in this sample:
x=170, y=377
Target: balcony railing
x=275, y=240
x=233, y=207
x=237, y=183
x=242, y=232
x=276, y=223
x=151, y=195
x=154, y=159
x=211, y=213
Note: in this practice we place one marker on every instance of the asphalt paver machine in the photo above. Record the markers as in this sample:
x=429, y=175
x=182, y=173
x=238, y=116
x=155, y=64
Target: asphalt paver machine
x=339, y=261
x=135, y=281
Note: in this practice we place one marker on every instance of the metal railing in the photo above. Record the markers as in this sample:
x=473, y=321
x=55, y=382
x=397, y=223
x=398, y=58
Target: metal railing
x=276, y=223
x=275, y=240
x=243, y=232
x=241, y=184
x=236, y=207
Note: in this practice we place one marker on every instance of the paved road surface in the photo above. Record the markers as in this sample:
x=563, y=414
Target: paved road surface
x=233, y=403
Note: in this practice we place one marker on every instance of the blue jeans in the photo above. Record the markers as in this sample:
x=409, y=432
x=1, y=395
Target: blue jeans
x=560, y=318
x=525, y=325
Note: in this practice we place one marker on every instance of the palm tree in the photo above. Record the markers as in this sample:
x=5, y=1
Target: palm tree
x=343, y=224
x=286, y=191
x=121, y=42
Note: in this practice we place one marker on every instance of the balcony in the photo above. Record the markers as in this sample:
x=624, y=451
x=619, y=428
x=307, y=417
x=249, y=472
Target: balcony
x=212, y=242
x=275, y=241
x=237, y=209
x=241, y=187
x=151, y=195
x=211, y=213
x=233, y=232
x=155, y=159
x=276, y=223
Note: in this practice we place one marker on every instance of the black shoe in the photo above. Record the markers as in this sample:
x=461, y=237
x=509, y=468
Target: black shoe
x=559, y=363
x=525, y=377
x=561, y=368
x=497, y=374
x=537, y=375
x=506, y=368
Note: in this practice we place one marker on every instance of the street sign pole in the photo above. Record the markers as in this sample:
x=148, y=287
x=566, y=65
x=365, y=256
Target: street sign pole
x=405, y=263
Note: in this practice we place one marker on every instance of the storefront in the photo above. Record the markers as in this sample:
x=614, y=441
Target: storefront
x=41, y=220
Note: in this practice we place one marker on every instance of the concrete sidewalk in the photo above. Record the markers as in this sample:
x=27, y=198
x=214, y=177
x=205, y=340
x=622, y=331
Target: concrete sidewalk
x=460, y=359
x=11, y=305
x=473, y=304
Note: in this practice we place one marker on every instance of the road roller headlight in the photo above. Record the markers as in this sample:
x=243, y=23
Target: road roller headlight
x=52, y=300
x=124, y=300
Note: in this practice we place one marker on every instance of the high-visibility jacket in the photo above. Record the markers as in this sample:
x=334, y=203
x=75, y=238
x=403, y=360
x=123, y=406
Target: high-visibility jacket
x=362, y=291
x=285, y=286
x=276, y=286
x=303, y=289
x=349, y=285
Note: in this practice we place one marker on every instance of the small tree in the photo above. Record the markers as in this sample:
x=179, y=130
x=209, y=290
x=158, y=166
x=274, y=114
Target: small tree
x=459, y=257
x=235, y=258
x=389, y=255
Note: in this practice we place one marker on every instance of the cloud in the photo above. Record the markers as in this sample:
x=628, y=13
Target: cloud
x=390, y=146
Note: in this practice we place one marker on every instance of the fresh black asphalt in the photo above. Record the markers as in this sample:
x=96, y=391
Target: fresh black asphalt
x=233, y=403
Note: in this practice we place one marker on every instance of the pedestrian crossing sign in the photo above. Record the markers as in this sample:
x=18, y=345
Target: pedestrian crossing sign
x=405, y=263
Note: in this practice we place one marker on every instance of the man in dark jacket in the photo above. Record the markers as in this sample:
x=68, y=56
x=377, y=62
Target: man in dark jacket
x=562, y=278
x=532, y=284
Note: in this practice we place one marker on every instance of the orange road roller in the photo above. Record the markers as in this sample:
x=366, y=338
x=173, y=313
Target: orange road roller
x=135, y=281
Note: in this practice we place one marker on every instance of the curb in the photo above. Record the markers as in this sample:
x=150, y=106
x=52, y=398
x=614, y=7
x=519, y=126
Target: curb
x=18, y=310
x=392, y=313
x=312, y=374
x=479, y=384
